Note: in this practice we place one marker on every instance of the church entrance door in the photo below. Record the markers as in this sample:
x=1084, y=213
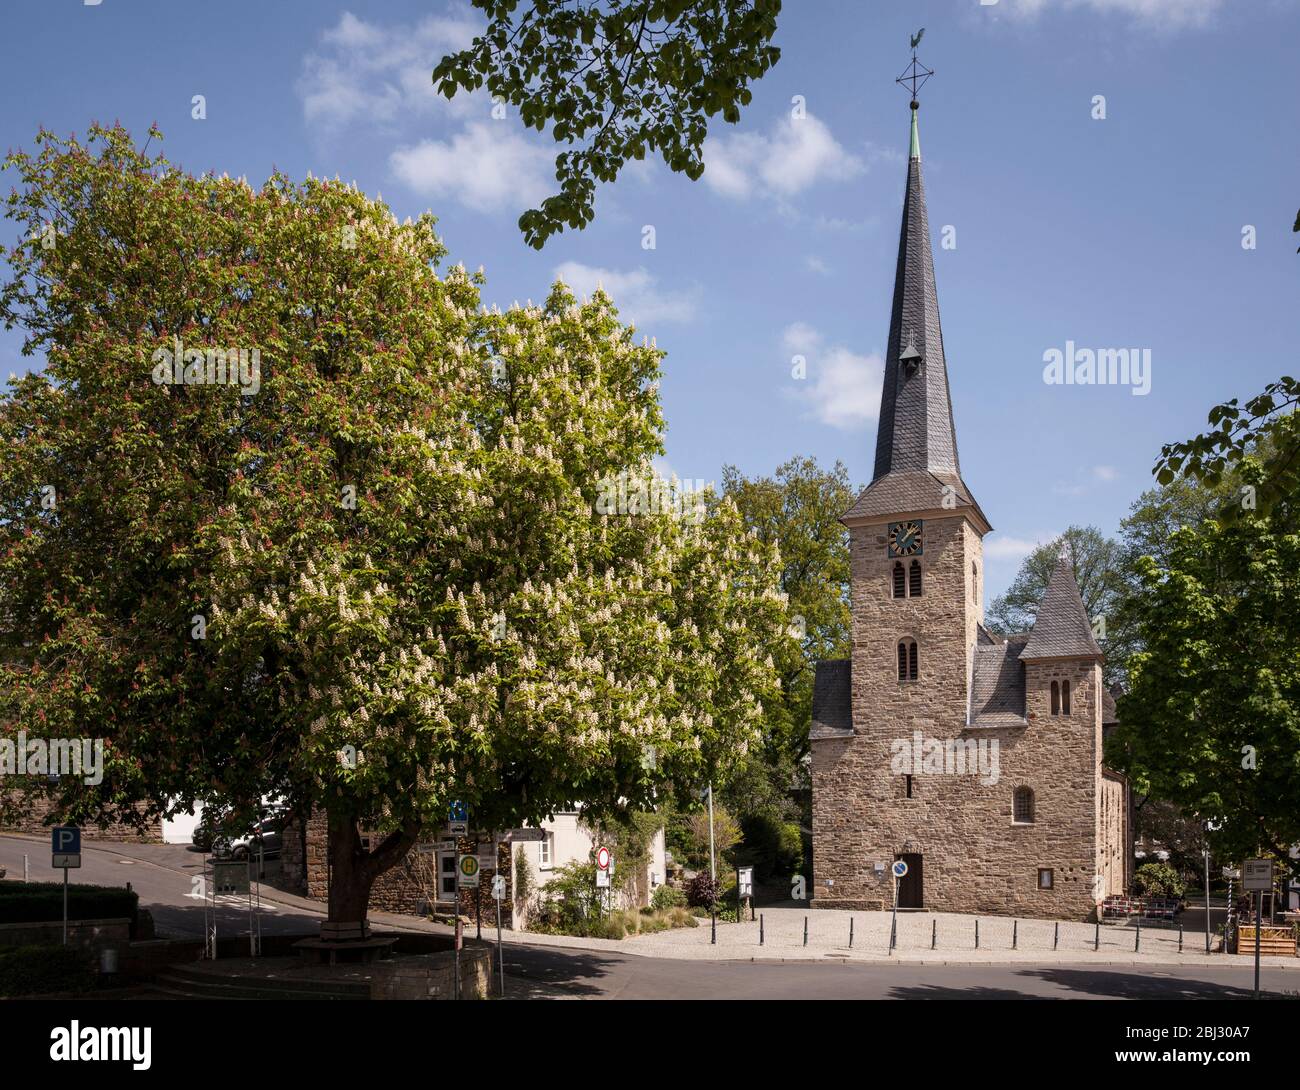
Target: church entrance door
x=910, y=886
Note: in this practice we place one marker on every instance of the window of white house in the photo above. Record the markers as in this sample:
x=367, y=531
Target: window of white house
x=546, y=851
x=447, y=874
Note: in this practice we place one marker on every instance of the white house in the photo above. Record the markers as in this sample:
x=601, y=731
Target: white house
x=568, y=840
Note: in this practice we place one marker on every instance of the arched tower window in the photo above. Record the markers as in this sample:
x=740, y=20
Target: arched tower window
x=907, y=660
x=1065, y=698
x=1022, y=806
x=974, y=581
x=1056, y=698
x=900, y=580
x=914, y=580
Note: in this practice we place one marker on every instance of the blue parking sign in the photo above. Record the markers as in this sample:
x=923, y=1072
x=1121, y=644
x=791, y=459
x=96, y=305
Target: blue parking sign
x=65, y=846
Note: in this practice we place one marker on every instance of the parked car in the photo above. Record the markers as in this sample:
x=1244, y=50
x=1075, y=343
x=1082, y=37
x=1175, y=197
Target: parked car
x=265, y=838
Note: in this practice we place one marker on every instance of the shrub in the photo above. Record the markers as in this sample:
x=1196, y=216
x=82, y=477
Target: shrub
x=680, y=917
x=38, y=970
x=666, y=897
x=1159, y=880
x=702, y=891
x=35, y=902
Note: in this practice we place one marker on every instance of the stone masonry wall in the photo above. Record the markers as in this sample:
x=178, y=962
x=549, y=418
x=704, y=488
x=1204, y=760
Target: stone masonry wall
x=36, y=808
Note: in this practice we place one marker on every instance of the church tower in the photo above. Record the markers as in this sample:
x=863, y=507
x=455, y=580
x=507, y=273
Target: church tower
x=936, y=743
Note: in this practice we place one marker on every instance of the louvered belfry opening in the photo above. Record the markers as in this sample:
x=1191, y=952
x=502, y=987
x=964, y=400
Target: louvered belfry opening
x=900, y=580
x=914, y=580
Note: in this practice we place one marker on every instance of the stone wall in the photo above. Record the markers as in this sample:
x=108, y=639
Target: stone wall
x=407, y=887
x=35, y=808
x=87, y=934
x=974, y=857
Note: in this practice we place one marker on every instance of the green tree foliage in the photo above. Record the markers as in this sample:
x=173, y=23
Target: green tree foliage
x=1267, y=427
x=1212, y=719
x=378, y=583
x=614, y=80
x=1098, y=563
x=797, y=511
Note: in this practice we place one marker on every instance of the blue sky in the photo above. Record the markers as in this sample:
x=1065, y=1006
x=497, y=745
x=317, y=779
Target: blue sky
x=1122, y=232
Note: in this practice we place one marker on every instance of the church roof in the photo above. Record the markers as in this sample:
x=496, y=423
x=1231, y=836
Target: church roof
x=997, y=695
x=832, y=706
x=1061, y=628
x=916, y=442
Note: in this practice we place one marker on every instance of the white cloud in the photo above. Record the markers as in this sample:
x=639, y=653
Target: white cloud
x=795, y=154
x=842, y=388
x=635, y=293
x=486, y=166
x=1006, y=547
x=1105, y=473
x=813, y=263
x=372, y=74
x=1164, y=14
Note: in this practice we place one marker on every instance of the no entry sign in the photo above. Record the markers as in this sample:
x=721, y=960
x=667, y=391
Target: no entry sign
x=602, y=858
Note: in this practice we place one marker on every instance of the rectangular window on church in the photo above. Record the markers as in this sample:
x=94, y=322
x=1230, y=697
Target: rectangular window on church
x=1044, y=878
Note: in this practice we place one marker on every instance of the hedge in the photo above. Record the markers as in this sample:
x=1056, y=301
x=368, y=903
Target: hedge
x=36, y=970
x=35, y=902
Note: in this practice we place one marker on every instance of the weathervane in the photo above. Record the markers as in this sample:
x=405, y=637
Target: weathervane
x=915, y=75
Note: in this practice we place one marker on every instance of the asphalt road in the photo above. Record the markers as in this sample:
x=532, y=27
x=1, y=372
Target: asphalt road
x=537, y=972
x=165, y=883
x=167, y=888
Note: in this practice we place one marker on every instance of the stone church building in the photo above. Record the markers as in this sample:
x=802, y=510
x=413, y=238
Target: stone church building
x=974, y=758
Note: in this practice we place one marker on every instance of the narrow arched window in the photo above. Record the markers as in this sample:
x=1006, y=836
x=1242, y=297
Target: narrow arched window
x=906, y=660
x=974, y=581
x=900, y=580
x=1065, y=697
x=1056, y=698
x=914, y=580
x=1022, y=806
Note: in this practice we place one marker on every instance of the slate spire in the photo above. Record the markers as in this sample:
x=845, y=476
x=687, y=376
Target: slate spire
x=916, y=431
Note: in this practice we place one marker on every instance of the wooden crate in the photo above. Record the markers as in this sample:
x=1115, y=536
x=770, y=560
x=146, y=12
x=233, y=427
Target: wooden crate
x=1273, y=941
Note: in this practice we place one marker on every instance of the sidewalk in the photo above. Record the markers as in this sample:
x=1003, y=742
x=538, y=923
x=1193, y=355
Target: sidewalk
x=952, y=935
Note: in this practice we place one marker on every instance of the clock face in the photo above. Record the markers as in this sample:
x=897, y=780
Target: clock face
x=905, y=538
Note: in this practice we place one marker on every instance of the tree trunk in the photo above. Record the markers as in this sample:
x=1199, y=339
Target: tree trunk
x=353, y=870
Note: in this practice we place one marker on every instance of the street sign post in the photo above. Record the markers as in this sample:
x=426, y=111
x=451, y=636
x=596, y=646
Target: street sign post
x=899, y=870
x=467, y=870
x=744, y=891
x=1257, y=878
x=65, y=850
x=458, y=818
x=498, y=894
x=521, y=836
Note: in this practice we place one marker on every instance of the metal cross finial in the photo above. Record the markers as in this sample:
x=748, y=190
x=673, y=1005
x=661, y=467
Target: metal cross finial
x=915, y=74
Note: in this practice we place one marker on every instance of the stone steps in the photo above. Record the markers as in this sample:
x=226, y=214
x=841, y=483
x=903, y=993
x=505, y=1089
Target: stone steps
x=196, y=983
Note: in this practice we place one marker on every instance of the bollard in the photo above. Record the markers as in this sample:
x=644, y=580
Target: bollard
x=805, y=930
x=850, y=932
x=1137, y=936
x=934, y=933
x=1015, y=933
x=713, y=939
x=977, y=932
x=26, y=872
x=760, y=929
x=1096, y=938
x=1056, y=934
x=1180, y=938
